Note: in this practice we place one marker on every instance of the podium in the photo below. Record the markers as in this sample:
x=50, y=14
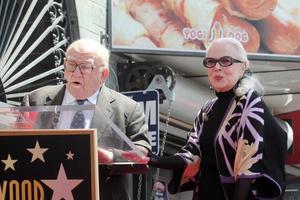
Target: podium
x=40, y=155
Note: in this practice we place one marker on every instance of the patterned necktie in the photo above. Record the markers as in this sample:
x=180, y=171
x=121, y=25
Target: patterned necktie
x=78, y=119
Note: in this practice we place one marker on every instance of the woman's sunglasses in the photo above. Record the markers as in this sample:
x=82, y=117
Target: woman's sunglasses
x=225, y=61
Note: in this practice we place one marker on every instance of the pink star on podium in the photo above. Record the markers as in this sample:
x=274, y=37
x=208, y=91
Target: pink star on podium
x=62, y=187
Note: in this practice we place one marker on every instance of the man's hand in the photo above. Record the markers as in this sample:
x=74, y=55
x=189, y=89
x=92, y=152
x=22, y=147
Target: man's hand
x=142, y=149
x=135, y=157
x=105, y=156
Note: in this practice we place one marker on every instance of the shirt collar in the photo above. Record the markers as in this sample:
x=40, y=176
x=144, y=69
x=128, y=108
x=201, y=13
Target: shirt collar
x=70, y=100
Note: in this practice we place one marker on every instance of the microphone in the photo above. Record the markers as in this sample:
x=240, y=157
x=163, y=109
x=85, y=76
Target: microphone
x=31, y=86
x=2, y=96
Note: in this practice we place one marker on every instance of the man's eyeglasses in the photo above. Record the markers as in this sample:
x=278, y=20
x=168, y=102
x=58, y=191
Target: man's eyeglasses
x=85, y=68
x=225, y=61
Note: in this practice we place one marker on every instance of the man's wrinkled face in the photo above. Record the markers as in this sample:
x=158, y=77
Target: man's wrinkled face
x=83, y=73
x=223, y=78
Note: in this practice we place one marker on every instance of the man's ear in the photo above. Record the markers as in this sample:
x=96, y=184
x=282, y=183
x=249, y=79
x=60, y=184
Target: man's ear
x=247, y=64
x=105, y=73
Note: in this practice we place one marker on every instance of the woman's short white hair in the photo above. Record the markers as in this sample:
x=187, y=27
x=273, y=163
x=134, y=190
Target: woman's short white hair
x=248, y=82
x=242, y=54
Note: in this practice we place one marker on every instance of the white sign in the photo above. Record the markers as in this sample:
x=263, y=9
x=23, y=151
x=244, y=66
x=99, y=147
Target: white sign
x=149, y=100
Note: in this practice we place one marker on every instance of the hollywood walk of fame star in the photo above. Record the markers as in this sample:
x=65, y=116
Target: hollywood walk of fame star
x=70, y=155
x=9, y=163
x=37, y=152
x=62, y=187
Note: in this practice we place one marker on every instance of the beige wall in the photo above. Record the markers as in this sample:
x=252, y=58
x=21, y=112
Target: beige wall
x=91, y=18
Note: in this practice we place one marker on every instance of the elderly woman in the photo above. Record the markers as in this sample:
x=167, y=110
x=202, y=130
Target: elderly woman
x=236, y=150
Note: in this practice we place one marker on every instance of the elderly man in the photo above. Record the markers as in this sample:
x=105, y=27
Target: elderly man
x=86, y=70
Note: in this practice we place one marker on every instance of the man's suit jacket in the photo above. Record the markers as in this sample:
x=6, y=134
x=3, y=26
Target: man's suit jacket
x=125, y=113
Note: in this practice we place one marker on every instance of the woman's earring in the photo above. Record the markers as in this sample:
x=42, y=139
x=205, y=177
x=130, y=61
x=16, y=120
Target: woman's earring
x=211, y=87
x=204, y=117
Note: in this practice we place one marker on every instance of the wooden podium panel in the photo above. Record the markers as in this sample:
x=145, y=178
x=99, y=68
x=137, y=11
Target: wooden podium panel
x=49, y=164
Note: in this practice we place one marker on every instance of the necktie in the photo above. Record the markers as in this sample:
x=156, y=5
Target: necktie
x=78, y=119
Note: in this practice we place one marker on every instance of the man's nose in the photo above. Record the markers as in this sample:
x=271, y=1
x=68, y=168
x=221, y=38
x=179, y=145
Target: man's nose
x=77, y=70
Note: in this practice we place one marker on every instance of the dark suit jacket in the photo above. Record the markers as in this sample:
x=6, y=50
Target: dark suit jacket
x=125, y=113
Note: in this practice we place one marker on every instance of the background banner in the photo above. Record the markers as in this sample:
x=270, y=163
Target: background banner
x=267, y=29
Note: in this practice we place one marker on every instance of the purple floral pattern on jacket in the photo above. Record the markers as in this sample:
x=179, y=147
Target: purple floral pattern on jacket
x=240, y=146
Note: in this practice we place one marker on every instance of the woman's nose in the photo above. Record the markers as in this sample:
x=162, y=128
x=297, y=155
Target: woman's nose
x=217, y=67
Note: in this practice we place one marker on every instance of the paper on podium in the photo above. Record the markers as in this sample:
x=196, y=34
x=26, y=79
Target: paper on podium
x=3, y=104
x=114, y=147
x=7, y=119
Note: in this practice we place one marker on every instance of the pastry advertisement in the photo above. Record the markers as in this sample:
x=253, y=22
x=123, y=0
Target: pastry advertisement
x=266, y=28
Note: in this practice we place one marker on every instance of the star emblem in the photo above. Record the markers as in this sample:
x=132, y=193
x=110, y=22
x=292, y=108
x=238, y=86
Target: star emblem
x=9, y=163
x=37, y=152
x=70, y=155
x=62, y=187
